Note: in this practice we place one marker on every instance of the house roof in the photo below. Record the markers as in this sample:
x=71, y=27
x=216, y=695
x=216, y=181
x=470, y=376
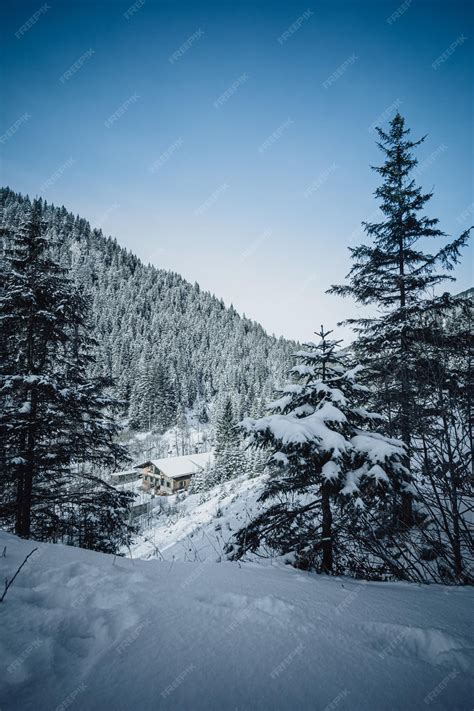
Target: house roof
x=175, y=467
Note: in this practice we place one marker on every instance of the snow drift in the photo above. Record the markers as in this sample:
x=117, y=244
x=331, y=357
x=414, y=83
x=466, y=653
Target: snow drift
x=95, y=632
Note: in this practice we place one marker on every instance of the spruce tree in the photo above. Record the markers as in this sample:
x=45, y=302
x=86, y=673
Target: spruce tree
x=56, y=422
x=164, y=402
x=325, y=455
x=394, y=274
x=230, y=460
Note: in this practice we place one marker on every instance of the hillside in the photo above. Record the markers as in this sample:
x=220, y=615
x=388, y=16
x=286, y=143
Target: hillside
x=168, y=345
x=112, y=633
x=198, y=527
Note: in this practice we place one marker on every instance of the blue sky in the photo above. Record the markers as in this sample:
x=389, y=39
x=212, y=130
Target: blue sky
x=148, y=145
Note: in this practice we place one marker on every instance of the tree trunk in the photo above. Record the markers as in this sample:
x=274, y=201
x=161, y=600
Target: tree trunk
x=326, y=531
x=406, y=510
x=19, y=499
x=27, y=489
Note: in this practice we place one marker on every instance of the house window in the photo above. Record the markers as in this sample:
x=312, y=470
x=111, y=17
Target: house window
x=168, y=484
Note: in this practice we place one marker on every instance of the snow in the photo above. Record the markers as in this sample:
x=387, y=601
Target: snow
x=289, y=429
x=93, y=632
x=280, y=457
x=186, y=464
x=377, y=473
x=198, y=527
x=281, y=403
x=330, y=470
x=377, y=447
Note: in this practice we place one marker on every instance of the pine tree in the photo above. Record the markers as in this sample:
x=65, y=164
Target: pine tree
x=56, y=422
x=164, y=398
x=230, y=460
x=324, y=455
x=394, y=274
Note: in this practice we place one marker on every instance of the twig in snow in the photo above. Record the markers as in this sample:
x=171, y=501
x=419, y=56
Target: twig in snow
x=10, y=582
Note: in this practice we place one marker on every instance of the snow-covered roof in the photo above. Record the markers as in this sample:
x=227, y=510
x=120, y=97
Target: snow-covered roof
x=174, y=467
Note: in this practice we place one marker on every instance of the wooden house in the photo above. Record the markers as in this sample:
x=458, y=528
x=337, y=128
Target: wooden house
x=173, y=474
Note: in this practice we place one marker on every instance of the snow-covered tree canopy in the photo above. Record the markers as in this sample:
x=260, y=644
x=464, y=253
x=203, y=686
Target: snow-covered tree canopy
x=324, y=445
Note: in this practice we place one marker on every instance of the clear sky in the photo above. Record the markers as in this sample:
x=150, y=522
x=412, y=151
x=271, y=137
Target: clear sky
x=154, y=120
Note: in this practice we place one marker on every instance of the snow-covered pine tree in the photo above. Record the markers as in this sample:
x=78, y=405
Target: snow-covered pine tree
x=395, y=274
x=164, y=398
x=202, y=480
x=55, y=423
x=326, y=456
x=229, y=456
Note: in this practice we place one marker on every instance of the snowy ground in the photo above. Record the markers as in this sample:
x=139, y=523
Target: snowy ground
x=197, y=530
x=83, y=630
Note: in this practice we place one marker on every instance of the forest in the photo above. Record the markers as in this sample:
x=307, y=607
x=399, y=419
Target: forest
x=364, y=448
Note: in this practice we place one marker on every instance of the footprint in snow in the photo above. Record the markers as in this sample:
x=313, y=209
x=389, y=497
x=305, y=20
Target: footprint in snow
x=430, y=644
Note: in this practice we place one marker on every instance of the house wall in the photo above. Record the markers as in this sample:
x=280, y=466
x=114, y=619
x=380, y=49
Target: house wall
x=154, y=478
x=181, y=484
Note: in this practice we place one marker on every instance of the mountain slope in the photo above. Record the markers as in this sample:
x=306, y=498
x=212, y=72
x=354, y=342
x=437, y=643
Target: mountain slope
x=168, y=344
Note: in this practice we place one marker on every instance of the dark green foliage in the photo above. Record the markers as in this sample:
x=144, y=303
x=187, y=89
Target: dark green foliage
x=395, y=274
x=330, y=467
x=56, y=423
x=230, y=459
